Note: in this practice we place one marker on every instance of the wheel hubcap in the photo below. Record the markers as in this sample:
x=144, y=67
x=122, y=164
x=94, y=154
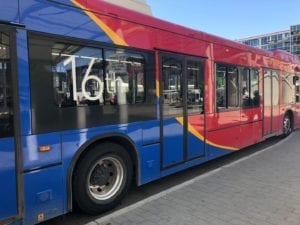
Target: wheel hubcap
x=105, y=178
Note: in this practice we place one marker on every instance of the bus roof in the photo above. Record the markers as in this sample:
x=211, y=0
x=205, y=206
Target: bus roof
x=112, y=10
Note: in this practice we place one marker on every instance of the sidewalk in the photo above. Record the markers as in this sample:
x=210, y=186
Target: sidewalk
x=261, y=189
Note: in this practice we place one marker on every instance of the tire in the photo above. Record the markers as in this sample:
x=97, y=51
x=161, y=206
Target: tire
x=287, y=126
x=102, y=178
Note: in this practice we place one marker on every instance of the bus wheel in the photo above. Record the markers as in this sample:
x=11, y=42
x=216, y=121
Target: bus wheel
x=287, y=126
x=102, y=178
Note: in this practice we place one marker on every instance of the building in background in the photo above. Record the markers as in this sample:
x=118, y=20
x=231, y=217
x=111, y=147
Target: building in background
x=288, y=40
x=137, y=5
x=295, y=36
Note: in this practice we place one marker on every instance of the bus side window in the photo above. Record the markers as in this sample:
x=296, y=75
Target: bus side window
x=221, y=86
x=249, y=88
x=232, y=80
x=254, y=87
x=6, y=112
x=227, y=87
x=77, y=75
x=125, y=79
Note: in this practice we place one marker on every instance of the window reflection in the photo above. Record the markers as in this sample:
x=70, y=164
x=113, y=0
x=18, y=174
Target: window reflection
x=221, y=86
x=227, y=86
x=275, y=87
x=81, y=77
x=254, y=85
x=195, y=83
x=288, y=90
x=77, y=75
x=172, y=83
x=6, y=104
x=297, y=86
x=236, y=87
x=124, y=77
x=267, y=87
x=250, y=93
x=182, y=86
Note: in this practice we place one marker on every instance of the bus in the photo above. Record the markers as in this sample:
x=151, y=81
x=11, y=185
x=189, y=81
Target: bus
x=95, y=97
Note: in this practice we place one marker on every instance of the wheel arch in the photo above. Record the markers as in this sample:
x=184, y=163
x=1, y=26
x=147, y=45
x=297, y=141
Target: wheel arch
x=117, y=138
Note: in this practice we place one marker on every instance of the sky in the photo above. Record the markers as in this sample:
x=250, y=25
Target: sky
x=232, y=19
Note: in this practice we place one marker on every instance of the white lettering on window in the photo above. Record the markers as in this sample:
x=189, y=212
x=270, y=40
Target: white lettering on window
x=87, y=77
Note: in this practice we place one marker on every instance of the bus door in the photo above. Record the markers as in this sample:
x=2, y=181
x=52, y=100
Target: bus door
x=182, y=119
x=271, y=102
x=8, y=180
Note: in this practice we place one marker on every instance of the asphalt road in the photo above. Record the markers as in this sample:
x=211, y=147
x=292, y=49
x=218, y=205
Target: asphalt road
x=137, y=194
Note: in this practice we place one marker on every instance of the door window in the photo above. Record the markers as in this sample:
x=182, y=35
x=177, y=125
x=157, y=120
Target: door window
x=195, y=86
x=172, y=84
